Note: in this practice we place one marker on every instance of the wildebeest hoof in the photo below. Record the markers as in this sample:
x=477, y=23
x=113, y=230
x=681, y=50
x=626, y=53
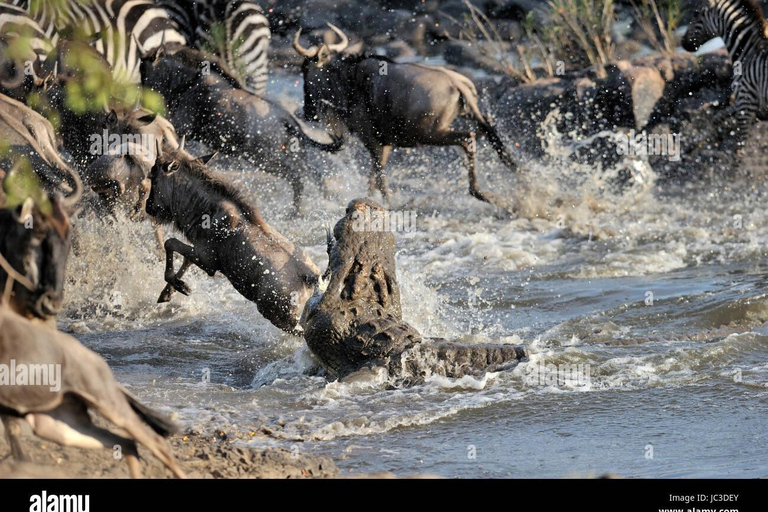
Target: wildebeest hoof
x=173, y=285
x=165, y=295
x=180, y=286
x=504, y=206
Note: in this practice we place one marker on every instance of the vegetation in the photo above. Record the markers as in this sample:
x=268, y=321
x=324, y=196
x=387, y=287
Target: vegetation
x=659, y=20
x=581, y=32
x=516, y=59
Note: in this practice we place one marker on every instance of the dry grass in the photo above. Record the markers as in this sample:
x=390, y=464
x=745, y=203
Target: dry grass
x=514, y=58
x=659, y=21
x=581, y=32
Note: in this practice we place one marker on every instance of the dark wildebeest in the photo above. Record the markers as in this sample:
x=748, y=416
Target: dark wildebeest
x=36, y=245
x=357, y=322
x=228, y=235
x=205, y=103
x=35, y=238
x=389, y=104
x=118, y=170
x=74, y=380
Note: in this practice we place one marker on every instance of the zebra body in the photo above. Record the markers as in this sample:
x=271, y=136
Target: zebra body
x=119, y=23
x=242, y=39
x=741, y=25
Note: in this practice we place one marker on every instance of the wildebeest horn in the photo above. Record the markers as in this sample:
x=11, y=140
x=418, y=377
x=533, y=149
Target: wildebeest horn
x=341, y=46
x=72, y=199
x=309, y=53
x=13, y=274
x=183, y=141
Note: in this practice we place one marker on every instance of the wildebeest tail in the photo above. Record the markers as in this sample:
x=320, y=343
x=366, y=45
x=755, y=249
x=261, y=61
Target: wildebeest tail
x=157, y=422
x=498, y=144
x=469, y=97
x=294, y=128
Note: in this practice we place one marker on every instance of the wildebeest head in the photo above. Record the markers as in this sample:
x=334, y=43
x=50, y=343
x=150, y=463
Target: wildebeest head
x=705, y=25
x=36, y=245
x=326, y=80
x=120, y=174
x=165, y=182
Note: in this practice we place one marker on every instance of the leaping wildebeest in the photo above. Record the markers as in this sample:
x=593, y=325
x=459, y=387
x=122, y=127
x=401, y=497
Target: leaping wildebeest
x=228, y=235
x=390, y=104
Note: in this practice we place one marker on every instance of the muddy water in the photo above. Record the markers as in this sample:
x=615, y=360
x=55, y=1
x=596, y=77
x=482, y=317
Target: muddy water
x=643, y=312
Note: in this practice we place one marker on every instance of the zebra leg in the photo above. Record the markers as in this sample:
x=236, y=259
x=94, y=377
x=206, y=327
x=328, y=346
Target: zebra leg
x=746, y=115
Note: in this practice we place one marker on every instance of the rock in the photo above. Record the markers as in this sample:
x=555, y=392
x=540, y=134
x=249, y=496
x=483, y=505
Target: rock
x=464, y=53
x=397, y=50
x=655, y=93
x=644, y=87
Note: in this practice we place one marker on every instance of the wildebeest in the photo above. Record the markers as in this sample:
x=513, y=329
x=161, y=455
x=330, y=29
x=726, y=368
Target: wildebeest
x=35, y=233
x=205, y=103
x=121, y=156
x=36, y=245
x=70, y=380
x=388, y=104
x=113, y=146
x=228, y=235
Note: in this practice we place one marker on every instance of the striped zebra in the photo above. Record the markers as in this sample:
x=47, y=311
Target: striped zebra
x=121, y=28
x=235, y=30
x=15, y=24
x=741, y=25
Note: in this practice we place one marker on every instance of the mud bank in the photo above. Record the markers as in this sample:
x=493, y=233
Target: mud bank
x=220, y=455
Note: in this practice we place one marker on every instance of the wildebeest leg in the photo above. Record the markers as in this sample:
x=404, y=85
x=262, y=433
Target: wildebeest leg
x=167, y=292
x=378, y=180
x=70, y=425
x=173, y=245
x=12, y=434
x=298, y=190
x=468, y=141
x=159, y=235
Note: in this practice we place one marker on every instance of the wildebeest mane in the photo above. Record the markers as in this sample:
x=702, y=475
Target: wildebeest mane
x=215, y=185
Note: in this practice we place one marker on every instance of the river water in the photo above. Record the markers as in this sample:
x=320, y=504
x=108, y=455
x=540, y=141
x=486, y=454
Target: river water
x=643, y=311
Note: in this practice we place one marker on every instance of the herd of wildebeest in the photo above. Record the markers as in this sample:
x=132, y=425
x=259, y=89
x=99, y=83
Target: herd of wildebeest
x=350, y=316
